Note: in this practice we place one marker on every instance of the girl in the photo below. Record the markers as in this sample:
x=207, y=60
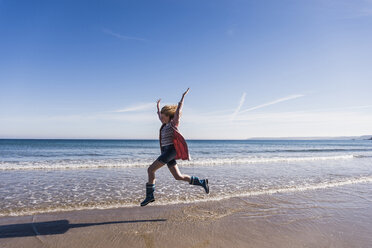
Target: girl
x=172, y=146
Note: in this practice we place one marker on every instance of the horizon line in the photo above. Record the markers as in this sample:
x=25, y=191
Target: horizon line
x=156, y=139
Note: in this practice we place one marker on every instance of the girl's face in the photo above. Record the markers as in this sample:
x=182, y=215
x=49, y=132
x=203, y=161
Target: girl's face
x=164, y=118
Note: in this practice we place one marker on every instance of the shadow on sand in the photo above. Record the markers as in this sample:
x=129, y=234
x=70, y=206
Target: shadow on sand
x=53, y=227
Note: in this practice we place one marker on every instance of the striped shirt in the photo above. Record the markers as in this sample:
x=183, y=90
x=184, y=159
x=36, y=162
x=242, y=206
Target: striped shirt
x=167, y=135
x=179, y=141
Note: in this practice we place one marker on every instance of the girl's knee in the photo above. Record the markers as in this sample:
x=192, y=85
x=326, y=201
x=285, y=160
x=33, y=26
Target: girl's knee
x=150, y=170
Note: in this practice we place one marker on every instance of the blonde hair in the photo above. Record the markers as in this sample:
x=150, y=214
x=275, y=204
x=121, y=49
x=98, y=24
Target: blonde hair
x=169, y=110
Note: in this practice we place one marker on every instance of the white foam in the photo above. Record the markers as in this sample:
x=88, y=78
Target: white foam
x=253, y=160
x=299, y=188
x=145, y=163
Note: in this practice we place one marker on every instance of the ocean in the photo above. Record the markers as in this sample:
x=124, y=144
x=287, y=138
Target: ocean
x=38, y=176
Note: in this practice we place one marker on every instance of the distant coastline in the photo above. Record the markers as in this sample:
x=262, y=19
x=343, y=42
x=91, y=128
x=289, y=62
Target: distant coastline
x=363, y=137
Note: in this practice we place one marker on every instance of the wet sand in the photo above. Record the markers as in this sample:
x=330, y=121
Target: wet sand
x=331, y=217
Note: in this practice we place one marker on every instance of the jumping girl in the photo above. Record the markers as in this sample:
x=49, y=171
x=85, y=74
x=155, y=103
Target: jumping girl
x=172, y=146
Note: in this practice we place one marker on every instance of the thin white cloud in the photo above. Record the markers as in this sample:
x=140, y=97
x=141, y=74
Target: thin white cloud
x=138, y=107
x=241, y=102
x=127, y=117
x=334, y=109
x=272, y=102
x=230, y=32
x=122, y=37
x=218, y=111
x=349, y=9
x=328, y=122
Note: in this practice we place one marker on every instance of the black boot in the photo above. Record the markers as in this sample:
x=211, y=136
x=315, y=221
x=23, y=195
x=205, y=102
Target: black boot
x=150, y=188
x=203, y=182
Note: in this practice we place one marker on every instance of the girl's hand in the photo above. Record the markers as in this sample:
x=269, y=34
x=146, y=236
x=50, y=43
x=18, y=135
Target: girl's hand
x=158, y=102
x=184, y=94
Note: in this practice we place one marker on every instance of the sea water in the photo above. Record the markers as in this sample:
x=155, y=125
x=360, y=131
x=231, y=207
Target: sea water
x=39, y=176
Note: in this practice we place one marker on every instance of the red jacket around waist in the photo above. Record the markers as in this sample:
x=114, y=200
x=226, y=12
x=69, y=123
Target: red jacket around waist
x=178, y=139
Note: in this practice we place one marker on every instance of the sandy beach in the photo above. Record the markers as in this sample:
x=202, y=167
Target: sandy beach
x=242, y=124
x=330, y=217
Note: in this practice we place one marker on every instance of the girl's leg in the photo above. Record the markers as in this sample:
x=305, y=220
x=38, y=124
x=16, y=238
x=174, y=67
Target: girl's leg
x=178, y=175
x=150, y=185
x=151, y=170
x=191, y=180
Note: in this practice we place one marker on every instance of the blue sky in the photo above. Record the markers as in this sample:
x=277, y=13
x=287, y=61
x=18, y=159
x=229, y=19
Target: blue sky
x=94, y=69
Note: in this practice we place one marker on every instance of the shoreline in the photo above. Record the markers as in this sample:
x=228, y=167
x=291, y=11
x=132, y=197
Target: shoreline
x=201, y=200
x=331, y=217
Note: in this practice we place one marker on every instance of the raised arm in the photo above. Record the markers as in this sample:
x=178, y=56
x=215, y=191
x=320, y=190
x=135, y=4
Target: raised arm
x=178, y=113
x=159, y=114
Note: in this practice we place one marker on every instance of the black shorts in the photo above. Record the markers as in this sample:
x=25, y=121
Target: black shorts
x=168, y=153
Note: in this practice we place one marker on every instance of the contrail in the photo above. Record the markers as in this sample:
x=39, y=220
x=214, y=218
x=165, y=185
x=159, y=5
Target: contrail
x=120, y=36
x=273, y=102
x=242, y=99
x=144, y=106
